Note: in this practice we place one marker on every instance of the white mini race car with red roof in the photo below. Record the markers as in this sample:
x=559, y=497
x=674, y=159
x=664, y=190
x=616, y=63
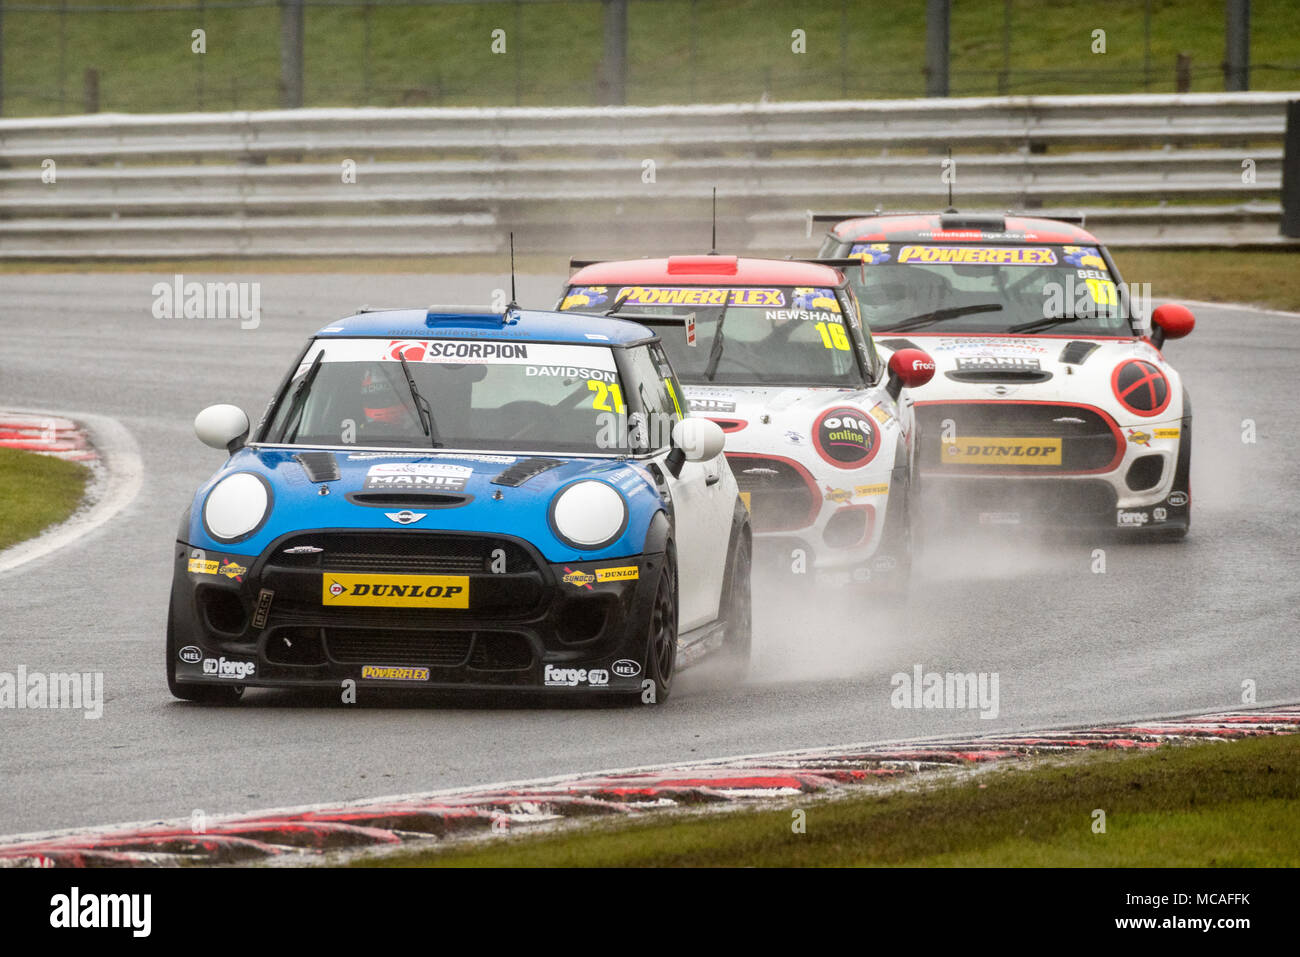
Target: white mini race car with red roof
x=1052, y=402
x=819, y=428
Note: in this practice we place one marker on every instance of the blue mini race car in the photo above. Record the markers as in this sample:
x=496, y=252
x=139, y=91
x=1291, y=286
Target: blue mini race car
x=457, y=498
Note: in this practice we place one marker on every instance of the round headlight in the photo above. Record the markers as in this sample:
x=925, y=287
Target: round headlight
x=588, y=514
x=236, y=506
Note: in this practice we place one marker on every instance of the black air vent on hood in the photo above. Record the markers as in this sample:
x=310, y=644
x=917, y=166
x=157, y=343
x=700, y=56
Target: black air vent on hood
x=319, y=466
x=897, y=344
x=999, y=375
x=521, y=472
x=1076, y=353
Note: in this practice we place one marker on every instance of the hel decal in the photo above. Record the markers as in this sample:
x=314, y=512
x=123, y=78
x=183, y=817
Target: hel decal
x=1140, y=387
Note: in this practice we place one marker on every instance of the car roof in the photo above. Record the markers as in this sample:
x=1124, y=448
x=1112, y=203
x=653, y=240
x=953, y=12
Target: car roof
x=710, y=270
x=456, y=321
x=959, y=228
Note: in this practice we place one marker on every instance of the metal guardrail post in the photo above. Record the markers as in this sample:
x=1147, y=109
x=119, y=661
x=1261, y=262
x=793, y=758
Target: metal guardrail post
x=613, y=68
x=1236, y=54
x=1291, y=172
x=291, y=26
x=938, y=15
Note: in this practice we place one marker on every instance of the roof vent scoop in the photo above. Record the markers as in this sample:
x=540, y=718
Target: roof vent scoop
x=985, y=223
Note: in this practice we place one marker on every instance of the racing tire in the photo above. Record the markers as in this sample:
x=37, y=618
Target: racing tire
x=661, y=633
x=216, y=694
x=739, y=639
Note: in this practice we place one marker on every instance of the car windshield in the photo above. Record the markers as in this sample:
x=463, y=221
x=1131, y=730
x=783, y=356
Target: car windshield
x=750, y=335
x=965, y=288
x=479, y=394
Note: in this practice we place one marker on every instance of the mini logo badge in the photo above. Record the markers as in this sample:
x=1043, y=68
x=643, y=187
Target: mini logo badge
x=625, y=668
x=190, y=655
x=405, y=516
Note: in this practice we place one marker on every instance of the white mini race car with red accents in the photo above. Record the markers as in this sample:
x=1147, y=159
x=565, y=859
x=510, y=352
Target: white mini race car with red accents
x=819, y=428
x=1051, y=402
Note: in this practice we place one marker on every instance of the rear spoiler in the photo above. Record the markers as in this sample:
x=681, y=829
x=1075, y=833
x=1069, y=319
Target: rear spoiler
x=1074, y=219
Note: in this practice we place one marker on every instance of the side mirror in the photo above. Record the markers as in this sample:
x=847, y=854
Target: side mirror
x=909, y=367
x=222, y=427
x=695, y=440
x=1170, y=321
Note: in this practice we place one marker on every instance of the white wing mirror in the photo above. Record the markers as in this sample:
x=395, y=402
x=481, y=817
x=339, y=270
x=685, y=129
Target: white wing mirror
x=223, y=427
x=699, y=439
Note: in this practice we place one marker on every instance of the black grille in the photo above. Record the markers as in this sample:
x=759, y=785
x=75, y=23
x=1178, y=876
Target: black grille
x=1088, y=442
x=779, y=496
x=1057, y=501
x=438, y=649
x=403, y=551
x=500, y=652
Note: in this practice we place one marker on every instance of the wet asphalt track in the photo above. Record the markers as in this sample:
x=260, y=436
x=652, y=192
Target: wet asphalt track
x=1167, y=629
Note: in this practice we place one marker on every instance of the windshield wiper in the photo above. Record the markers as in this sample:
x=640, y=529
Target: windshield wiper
x=715, y=349
x=298, y=401
x=421, y=404
x=939, y=315
x=1048, y=323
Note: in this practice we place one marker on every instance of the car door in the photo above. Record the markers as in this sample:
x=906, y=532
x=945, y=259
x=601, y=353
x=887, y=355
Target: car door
x=701, y=508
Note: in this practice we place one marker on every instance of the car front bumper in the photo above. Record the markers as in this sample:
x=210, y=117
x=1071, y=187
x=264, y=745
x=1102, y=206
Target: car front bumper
x=272, y=621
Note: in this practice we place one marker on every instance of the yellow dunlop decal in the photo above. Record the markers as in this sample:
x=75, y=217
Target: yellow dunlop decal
x=870, y=489
x=979, y=450
x=395, y=674
x=1167, y=433
x=624, y=573
x=744, y=497
x=199, y=567
x=396, y=591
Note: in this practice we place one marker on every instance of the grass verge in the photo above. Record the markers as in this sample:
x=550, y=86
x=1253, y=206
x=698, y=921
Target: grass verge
x=1225, y=804
x=1263, y=277
x=36, y=491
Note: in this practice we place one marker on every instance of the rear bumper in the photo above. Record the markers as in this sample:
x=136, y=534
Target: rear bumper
x=529, y=625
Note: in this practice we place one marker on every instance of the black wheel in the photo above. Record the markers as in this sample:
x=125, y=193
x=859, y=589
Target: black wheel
x=734, y=654
x=215, y=694
x=661, y=638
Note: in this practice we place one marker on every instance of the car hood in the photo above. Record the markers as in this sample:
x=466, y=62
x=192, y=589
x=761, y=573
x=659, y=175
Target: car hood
x=438, y=491
x=790, y=412
x=1035, y=369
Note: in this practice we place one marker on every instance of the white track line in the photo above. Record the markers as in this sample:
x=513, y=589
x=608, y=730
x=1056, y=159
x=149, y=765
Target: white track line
x=120, y=481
